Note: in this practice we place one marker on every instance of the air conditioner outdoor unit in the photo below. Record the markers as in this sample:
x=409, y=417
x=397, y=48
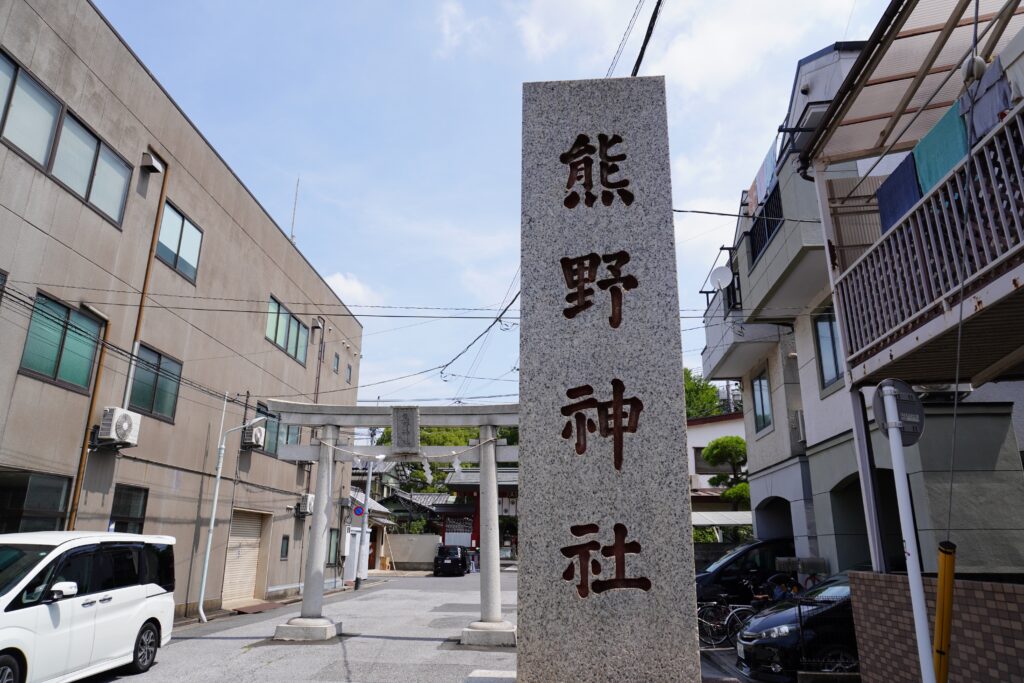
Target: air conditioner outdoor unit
x=304, y=507
x=254, y=437
x=119, y=427
x=695, y=481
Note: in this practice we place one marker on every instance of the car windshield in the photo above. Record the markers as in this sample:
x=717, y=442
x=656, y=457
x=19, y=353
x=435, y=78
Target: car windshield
x=448, y=551
x=835, y=588
x=725, y=559
x=17, y=560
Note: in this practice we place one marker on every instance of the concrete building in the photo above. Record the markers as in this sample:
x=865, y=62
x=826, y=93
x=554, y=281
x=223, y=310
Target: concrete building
x=121, y=223
x=771, y=324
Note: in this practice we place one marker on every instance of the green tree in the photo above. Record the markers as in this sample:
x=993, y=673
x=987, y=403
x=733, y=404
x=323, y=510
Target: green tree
x=732, y=452
x=701, y=395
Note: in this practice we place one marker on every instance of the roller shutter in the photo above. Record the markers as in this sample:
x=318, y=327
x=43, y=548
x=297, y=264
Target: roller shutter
x=242, y=557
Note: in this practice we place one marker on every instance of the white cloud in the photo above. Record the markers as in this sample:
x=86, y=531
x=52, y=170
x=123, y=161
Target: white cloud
x=352, y=290
x=591, y=29
x=458, y=29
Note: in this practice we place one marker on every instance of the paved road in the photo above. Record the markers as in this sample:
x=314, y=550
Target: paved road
x=405, y=629
x=402, y=630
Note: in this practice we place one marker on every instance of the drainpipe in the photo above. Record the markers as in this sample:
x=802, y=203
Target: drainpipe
x=84, y=457
x=145, y=281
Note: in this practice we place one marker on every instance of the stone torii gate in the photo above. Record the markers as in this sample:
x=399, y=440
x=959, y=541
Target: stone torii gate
x=405, y=422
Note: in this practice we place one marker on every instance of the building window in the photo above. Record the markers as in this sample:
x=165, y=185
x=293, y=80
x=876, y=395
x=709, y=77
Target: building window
x=333, y=547
x=89, y=169
x=273, y=426
x=61, y=343
x=155, y=387
x=286, y=331
x=3, y=283
x=336, y=365
x=285, y=540
x=762, y=402
x=128, y=514
x=32, y=501
x=348, y=374
x=826, y=335
x=293, y=434
x=79, y=160
x=179, y=243
x=31, y=117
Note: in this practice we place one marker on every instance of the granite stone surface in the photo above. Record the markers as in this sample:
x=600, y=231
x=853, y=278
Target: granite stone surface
x=405, y=429
x=602, y=629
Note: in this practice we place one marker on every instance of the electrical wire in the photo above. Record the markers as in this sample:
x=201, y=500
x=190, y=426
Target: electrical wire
x=625, y=37
x=647, y=38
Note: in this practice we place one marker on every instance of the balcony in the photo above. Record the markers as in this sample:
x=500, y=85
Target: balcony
x=963, y=241
x=781, y=266
x=733, y=347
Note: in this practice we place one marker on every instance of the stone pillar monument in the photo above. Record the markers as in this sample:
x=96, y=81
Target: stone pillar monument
x=606, y=579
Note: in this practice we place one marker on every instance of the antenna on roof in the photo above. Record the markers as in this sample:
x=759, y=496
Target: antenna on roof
x=295, y=205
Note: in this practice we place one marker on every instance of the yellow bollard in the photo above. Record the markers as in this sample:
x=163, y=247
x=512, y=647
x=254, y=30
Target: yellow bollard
x=944, y=610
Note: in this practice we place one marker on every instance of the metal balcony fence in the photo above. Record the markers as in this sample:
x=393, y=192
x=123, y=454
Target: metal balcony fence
x=965, y=232
x=766, y=224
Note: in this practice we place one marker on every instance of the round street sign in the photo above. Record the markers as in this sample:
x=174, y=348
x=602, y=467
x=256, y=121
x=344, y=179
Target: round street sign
x=908, y=404
x=358, y=510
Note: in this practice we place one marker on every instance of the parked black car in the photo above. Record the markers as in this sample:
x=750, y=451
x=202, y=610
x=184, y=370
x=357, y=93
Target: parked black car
x=750, y=563
x=451, y=559
x=811, y=633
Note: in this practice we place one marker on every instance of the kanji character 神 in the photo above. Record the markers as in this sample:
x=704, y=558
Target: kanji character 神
x=615, y=417
x=580, y=163
x=582, y=554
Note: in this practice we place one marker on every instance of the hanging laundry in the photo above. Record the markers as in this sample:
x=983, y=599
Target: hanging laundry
x=1012, y=59
x=898, y=193
x=985, y=100
x=942, y=148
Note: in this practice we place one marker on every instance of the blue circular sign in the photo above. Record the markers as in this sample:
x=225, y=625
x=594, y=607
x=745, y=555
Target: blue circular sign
x=358, y=510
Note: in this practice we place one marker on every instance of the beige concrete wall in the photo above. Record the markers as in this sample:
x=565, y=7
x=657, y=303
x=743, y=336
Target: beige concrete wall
x=412, y=551
x=59, y=245
x=780, y=440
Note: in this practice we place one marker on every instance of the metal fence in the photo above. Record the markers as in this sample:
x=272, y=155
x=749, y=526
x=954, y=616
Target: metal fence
x=827, y=639
x=960, y=233
x=766, y=224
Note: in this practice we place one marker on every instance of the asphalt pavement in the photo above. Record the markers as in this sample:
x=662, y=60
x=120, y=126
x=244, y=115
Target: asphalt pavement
x=404, y=629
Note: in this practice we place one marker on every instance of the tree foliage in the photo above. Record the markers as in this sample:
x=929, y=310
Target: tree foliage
x=730, y=451
x=701, y=395
x=738, y=495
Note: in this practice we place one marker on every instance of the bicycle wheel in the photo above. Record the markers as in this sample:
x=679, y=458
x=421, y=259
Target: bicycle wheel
x=711, y=624
x=735, y=621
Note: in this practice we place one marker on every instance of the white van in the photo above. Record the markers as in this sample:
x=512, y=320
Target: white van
x=75, y=603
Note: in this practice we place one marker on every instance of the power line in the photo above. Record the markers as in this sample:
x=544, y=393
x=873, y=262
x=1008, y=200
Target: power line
x=425, y=400
x=625, y=37
x=743, y=215
x=647, y=38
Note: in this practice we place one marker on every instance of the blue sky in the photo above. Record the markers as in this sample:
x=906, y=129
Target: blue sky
x=403, y=121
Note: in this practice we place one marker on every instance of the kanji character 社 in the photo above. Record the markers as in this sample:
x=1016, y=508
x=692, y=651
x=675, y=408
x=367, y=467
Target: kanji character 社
x=619, y=549
x=582, y=553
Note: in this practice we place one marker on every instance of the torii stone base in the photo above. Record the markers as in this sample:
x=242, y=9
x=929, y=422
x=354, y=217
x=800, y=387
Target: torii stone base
x=307, y=629
x=489, y=634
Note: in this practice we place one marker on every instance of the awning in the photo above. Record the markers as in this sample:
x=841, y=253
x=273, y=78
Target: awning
x=912, y=51
x=722, y=518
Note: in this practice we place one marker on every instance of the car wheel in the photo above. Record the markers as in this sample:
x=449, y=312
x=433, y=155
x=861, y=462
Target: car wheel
x=437, y=573
x=837, y=659
x=10, y=670
x=144, y=653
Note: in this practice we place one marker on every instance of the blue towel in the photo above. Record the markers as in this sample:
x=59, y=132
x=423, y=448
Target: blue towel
x=941, y=149
x=898, y=193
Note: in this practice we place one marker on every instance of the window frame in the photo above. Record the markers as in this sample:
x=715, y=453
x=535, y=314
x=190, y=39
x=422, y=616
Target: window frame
x=262, y=409
x=287, y=340
x=285, y=547
x=348, y=373
x=145, y=505
x=838, y=381
x=64, y=384
x=63, y=110
x=150, y=413
x=759, y=425
x=336, y=363
x=181, y=236
x=333, y=535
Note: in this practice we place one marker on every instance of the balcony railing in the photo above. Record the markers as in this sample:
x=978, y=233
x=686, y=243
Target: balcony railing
x=766, y=224
x=964, y=233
